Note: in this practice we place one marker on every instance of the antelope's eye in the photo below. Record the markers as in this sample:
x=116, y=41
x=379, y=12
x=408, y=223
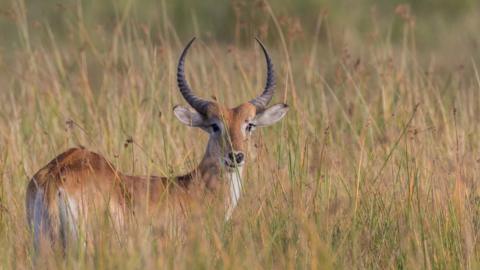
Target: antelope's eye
x=250, y=127
x=215, y=128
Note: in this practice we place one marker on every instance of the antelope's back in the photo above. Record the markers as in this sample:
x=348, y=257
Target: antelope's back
x=64, y=193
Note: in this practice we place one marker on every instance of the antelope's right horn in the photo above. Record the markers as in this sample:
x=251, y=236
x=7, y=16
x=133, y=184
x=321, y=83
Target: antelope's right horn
x=199, y=104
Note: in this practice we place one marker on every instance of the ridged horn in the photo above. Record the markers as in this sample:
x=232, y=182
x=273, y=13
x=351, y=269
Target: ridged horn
x=199, y=104
x=262, y=101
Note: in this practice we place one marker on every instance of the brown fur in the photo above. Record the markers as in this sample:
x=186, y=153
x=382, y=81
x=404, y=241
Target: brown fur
x=94, y=183
x=233, y=118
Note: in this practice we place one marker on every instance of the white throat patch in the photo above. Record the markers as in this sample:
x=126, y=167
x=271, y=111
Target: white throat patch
x=235, y=182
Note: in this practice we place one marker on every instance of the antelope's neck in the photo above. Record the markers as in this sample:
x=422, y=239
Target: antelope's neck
x=213, y=176
x=209, y=175
x=209, y=169
x=235, y=190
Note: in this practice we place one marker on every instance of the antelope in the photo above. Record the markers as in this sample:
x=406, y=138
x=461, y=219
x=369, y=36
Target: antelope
x=60, y=195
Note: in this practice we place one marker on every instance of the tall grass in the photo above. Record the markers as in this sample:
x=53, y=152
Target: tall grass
x=375, y=165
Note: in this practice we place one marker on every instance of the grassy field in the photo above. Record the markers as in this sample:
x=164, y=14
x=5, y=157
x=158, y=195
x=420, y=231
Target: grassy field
x=375, y=166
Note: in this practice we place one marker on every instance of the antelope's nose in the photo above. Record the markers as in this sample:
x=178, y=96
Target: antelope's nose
x=236, y=157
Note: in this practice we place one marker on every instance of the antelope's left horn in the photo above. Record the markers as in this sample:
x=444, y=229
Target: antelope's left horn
x=262, y=101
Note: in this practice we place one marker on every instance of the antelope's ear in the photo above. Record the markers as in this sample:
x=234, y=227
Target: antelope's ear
x=189, y=117
x=271, y=115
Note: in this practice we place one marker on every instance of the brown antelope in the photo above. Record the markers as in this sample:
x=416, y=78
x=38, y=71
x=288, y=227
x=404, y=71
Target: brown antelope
x=61, y=194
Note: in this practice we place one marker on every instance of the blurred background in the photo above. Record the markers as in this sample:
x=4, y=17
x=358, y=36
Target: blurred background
x=447, y=26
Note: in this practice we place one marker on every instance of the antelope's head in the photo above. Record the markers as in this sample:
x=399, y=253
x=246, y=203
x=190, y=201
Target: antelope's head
x=229, y=129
